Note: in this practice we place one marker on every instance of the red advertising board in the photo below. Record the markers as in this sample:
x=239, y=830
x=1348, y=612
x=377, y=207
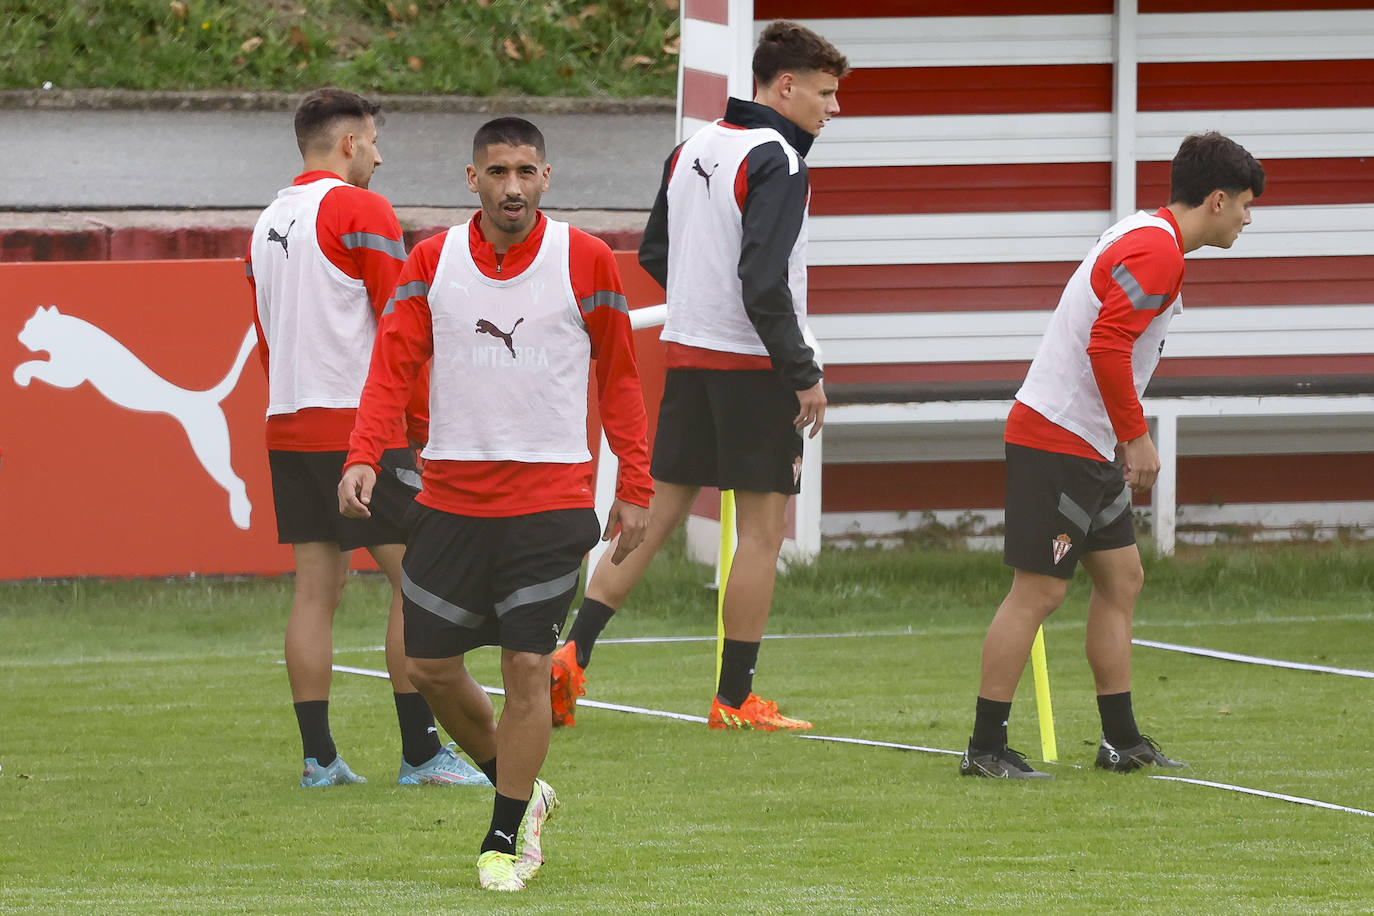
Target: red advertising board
x=131, y=419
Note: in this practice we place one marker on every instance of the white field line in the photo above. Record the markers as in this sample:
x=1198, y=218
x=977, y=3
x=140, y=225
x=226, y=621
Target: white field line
x=1252, y=659
x=594, y=704
x=866, y=743
x=1295, y=799
x=683, y=717
x=979, y=629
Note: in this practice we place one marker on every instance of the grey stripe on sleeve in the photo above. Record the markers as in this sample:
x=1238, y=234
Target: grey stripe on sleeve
x=438, y=606
x=532, y=594
x=394, y=247
x=1113, y=512
x=604, y=297
x=405, y=291
x=1076, y=514
x=248, y=268
x=1131, y=287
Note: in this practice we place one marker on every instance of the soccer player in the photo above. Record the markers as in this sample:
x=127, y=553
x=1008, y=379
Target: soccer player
x=322, y=263
x=727, y=240
x=1078, y=446
x=512, y=307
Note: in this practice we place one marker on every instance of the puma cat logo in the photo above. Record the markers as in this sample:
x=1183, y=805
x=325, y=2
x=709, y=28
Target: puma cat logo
x=272, y=236
x=696, y=167
x=81, y=352
x=486, y=327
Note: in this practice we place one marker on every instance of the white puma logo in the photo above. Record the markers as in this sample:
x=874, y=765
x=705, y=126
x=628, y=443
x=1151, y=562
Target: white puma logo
x=505, y=836
x=80, y=352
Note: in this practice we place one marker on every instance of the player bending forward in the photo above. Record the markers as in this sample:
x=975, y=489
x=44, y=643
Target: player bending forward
x=1078, y=446
x=513, y=307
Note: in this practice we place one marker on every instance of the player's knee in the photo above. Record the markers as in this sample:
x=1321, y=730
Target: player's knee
x=526, y=675
x=429, y=675
x=1130, y=581
x=762, y=538
x=1038, y=593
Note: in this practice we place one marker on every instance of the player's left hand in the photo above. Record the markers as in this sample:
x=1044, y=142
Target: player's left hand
x=355, y=490
x=633, y=523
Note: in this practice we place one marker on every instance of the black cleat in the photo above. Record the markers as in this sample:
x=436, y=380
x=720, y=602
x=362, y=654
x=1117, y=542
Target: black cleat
x=1000, y=764
x=1144, y=754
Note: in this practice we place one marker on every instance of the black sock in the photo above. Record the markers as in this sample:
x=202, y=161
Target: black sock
x=1118, y=721
x=419, y=737
x=506, y=815
x=737, y=661
x=990, y=725
x=489, y=768
x=316, y=741
x=591, y=619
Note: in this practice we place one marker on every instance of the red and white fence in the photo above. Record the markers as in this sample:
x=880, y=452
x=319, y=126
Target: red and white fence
x=977, y=157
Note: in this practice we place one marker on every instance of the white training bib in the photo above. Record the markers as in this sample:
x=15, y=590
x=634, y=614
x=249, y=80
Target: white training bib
x=318, y=321
x=509, y=379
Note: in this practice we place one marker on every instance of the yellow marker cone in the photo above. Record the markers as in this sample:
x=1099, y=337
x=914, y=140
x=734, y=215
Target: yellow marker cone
x=727, y=556
x=1048, y=750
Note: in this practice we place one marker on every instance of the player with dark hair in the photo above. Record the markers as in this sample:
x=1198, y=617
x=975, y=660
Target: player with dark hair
x=323, y=263
x=727, y=240
x=1078, y=446
x=512, y=307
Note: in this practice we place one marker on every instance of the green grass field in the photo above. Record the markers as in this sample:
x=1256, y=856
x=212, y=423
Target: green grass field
x=614, y=48
x=150, y=755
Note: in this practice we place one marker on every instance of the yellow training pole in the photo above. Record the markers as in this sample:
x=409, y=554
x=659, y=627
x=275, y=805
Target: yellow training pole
x=727, y=556
x=1041, y=670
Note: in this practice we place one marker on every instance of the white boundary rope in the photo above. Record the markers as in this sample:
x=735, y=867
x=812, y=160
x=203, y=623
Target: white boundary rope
x=684, y=717
x=1251, y=659
x=1295, y=799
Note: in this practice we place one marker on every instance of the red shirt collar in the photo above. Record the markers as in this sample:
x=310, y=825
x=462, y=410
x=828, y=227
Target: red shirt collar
x=1165, y=213
x=517, y=257
x=315, y=175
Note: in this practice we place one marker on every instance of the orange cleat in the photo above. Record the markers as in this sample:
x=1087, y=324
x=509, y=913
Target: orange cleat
x=569, y=683
x=756, y=713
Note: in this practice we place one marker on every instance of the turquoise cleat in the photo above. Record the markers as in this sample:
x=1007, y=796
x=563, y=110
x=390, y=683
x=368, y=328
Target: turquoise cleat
x=336, y=774
x=445, y=768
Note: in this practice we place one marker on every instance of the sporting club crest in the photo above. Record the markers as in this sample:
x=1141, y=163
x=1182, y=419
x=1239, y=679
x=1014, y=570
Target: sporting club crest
x=1061, y=547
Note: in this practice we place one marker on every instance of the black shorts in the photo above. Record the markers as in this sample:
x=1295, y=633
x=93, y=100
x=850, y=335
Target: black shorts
x=730, y=429
x=470, y=582
x=305, y=493
x=1062, y=506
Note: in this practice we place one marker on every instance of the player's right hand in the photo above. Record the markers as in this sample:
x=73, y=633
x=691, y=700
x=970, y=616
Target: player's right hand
x=355, y=490
x=1139, y=463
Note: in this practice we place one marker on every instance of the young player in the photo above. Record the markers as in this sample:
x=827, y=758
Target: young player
x=512, y=307
x=1078, y=447
x=727, y=240
x=322, y=264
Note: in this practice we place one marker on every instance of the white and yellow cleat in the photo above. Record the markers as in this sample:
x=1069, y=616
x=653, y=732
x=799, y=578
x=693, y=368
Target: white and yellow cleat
x=529, y=849
x=496, y=872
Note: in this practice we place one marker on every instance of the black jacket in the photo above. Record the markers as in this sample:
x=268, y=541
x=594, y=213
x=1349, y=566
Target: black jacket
x=773, y=212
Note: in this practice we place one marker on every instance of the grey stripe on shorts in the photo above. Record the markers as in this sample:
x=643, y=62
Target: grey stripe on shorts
x=1075, y=513
x=438, y=606
x=1113, y=512
x=532, y=594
